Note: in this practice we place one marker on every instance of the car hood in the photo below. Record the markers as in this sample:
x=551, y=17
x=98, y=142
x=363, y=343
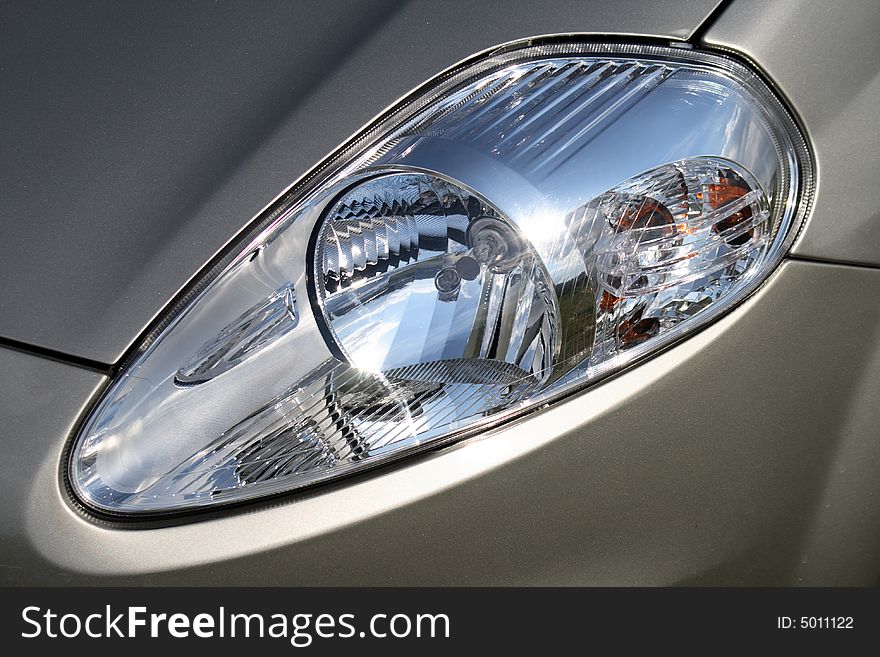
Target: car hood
x=138, y=139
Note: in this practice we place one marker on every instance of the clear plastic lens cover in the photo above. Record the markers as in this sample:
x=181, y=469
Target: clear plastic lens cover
x=531, y=223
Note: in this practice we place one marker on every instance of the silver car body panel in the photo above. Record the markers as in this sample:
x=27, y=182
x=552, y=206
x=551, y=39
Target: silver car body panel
x=825, y=57
x=139, y=140
x=741, y=456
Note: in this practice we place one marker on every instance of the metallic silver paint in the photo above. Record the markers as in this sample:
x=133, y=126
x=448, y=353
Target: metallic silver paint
x=825, y=57
x=714, y=462
x=138, y=139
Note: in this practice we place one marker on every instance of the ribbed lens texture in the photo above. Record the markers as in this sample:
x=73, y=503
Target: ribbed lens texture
x=536, y=117
x=545, y=218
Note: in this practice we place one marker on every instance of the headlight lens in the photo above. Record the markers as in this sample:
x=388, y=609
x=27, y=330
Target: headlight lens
x=533, y=222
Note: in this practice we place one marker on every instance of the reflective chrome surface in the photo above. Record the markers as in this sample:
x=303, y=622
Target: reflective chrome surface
x=618, y=202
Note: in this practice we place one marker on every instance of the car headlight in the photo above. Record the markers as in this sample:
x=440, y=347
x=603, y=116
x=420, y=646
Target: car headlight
x=532, y=222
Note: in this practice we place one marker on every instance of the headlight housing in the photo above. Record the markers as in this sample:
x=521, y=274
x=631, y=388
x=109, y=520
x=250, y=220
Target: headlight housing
x=532, y=222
